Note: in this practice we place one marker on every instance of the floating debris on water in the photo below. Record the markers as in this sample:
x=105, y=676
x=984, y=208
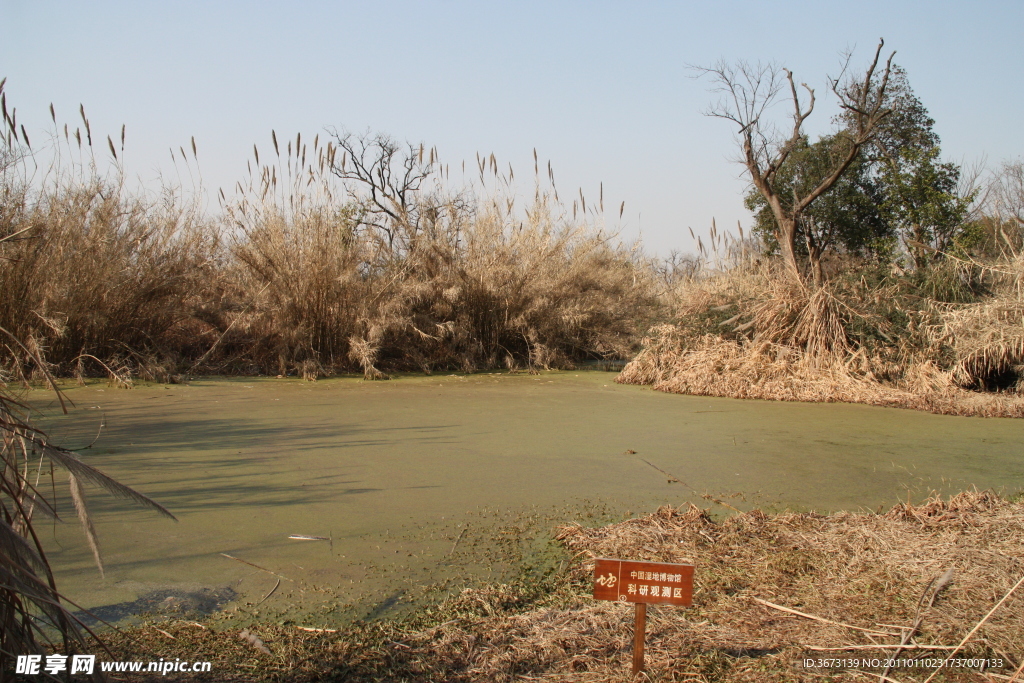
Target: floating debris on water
x=303, y=537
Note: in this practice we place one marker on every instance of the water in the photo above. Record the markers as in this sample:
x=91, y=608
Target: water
x=425, y=482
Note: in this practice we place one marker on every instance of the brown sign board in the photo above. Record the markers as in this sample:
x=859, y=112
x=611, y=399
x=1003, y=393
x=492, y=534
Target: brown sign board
x=658, y=583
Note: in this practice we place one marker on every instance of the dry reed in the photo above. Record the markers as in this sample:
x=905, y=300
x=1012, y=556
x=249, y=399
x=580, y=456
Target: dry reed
x=750, y=332
x=330, y=259
x=35, y=270
x=302, y=274
x=770, y=591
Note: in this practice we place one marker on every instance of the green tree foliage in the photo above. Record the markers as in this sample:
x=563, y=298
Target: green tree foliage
x=849, y=217
x=899, y=189
x=748, y=91
x=922, y=202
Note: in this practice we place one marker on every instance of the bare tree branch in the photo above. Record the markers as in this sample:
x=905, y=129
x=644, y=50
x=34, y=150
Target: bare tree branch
x=749, y=90
x=388, y=179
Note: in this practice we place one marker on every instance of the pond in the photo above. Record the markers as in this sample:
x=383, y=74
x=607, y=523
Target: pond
x=423, y=483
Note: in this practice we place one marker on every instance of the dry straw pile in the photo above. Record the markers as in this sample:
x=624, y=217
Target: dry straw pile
x=773, y=590
x=751, y=332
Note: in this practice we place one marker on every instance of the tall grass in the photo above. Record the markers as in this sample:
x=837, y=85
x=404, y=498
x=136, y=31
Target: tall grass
x=99, y=274
x=33, y=614
x=304, y=273
x=356, y=255
x=481, y=291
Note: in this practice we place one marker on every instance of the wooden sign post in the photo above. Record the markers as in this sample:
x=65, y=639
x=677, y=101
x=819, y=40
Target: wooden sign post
x=643, y=583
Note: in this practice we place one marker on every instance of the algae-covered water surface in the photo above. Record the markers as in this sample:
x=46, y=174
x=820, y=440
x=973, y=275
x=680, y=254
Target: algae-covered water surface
x=422, y=482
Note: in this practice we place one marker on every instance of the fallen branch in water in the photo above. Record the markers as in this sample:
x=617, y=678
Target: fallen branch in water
x=268, y=594
x=672, y=479
x=262, y=569
x=455, y=545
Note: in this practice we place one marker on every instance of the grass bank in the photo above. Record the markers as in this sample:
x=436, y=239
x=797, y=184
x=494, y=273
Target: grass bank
x=918, y=582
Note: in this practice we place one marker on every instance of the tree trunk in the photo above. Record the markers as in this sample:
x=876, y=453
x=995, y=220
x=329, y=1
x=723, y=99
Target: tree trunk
x=786, y=235
x=814, y=252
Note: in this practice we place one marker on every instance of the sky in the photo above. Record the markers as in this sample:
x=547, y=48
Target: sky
x=601, y=89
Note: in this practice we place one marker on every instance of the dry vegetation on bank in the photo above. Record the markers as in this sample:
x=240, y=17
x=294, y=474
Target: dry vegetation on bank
x=349, y=254
x=770, y=590
x=949, y=339
x=366, y=260
x=317, y=280
x=356, y=254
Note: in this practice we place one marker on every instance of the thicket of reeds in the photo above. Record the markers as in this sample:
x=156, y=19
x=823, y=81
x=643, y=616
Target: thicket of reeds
x=357, y=254
x=350, y=255
x=316, y=290
x=34, y=617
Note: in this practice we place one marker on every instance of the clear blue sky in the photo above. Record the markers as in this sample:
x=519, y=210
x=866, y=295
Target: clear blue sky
x=601, y=89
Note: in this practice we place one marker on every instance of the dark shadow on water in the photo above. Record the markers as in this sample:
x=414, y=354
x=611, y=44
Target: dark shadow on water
x=176, y=602
x=382, y=608
x=601, y=365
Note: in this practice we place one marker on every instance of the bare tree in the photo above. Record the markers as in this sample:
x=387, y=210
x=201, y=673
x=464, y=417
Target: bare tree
x=1006, y=205
x=750, y=90
x=389, y=180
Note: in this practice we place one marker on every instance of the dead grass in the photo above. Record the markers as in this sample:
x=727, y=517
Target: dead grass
x=101, y=274
x=299, y=275
x=357, y=256
x=749, y=332
x=770, y=591
x=485, y=291
x=862, y=575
